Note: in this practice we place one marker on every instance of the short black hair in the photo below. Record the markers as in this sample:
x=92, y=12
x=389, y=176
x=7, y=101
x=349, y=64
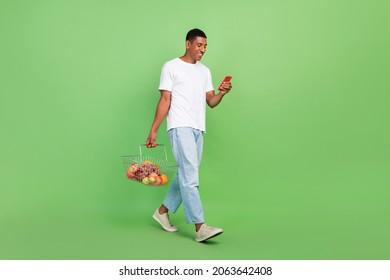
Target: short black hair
x=192, y=34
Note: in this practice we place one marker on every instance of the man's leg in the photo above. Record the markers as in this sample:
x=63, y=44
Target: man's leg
x=172, y=199
x=187, y=146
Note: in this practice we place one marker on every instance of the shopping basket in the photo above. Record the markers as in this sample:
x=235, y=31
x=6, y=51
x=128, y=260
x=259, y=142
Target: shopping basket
x=151, y=168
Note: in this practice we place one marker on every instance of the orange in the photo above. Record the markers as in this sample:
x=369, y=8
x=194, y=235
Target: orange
x=164, y=179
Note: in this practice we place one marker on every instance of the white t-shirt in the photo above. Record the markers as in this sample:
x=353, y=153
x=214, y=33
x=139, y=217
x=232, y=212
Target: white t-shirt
x=188, y=84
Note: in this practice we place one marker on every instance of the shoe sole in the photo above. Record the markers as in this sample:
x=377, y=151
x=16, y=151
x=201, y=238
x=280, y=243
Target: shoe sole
x=162, y=225
x=209, y=236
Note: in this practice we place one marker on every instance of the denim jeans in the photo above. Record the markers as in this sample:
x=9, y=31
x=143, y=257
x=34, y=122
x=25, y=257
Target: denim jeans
x=187, y=145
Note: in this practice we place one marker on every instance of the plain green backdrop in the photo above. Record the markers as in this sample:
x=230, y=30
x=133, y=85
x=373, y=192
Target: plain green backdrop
x=296, y=158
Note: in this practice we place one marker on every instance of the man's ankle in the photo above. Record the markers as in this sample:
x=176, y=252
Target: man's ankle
x=197, y=227
x=162, y=210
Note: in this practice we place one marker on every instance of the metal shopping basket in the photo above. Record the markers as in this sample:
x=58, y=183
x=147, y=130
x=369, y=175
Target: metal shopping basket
x=151, y=168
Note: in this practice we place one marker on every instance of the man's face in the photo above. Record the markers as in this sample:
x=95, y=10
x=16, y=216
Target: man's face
x=197, y=48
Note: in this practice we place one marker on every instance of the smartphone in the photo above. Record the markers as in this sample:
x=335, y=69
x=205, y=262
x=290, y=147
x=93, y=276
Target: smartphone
x=225, y=80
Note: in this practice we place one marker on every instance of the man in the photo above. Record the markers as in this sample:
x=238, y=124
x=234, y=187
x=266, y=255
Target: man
x=186, y=87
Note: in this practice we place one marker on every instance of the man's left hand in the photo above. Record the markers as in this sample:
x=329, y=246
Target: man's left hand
x=226, y=87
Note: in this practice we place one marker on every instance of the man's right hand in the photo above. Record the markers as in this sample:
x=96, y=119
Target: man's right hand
x=151, y=141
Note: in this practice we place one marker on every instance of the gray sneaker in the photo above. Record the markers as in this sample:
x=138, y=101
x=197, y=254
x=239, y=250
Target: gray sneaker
x=206, y=232
x=163, y=220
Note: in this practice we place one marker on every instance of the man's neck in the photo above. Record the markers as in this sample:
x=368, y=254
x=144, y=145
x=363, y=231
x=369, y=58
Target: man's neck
x=188, y=59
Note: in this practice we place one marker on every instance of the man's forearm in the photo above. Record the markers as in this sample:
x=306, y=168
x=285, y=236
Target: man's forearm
x=215, y=100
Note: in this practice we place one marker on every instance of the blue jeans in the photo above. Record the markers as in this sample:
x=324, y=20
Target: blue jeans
x=187, y=145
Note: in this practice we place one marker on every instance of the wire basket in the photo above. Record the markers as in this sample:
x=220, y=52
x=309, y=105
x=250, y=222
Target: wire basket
x=153, y=170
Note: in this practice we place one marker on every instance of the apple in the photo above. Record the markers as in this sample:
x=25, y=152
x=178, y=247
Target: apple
x=130, y=174
x=158, y=181
x=133, y=167
x=153, y=177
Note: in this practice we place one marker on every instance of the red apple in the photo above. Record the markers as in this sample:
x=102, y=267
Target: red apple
x=158, y=181
x=133, y=167
x=130, y=174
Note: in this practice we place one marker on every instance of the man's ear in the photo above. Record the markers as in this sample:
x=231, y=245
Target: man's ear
x=188, y=43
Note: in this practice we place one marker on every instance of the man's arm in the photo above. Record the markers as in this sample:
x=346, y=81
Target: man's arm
x=213, y=99
x=161, y=111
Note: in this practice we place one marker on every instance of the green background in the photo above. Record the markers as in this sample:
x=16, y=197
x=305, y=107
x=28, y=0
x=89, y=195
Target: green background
x=296, y=158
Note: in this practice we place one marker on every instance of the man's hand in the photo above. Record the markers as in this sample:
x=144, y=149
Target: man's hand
x=213, y=99
x=226, y=87
x=151, y=141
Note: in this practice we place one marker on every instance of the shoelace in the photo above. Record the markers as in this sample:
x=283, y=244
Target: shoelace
x=210, y=228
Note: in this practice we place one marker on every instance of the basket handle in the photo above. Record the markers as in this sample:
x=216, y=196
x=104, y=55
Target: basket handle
x=159, y=145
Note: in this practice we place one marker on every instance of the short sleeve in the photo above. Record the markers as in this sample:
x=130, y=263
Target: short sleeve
x=166, y=78
x=209, y=85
